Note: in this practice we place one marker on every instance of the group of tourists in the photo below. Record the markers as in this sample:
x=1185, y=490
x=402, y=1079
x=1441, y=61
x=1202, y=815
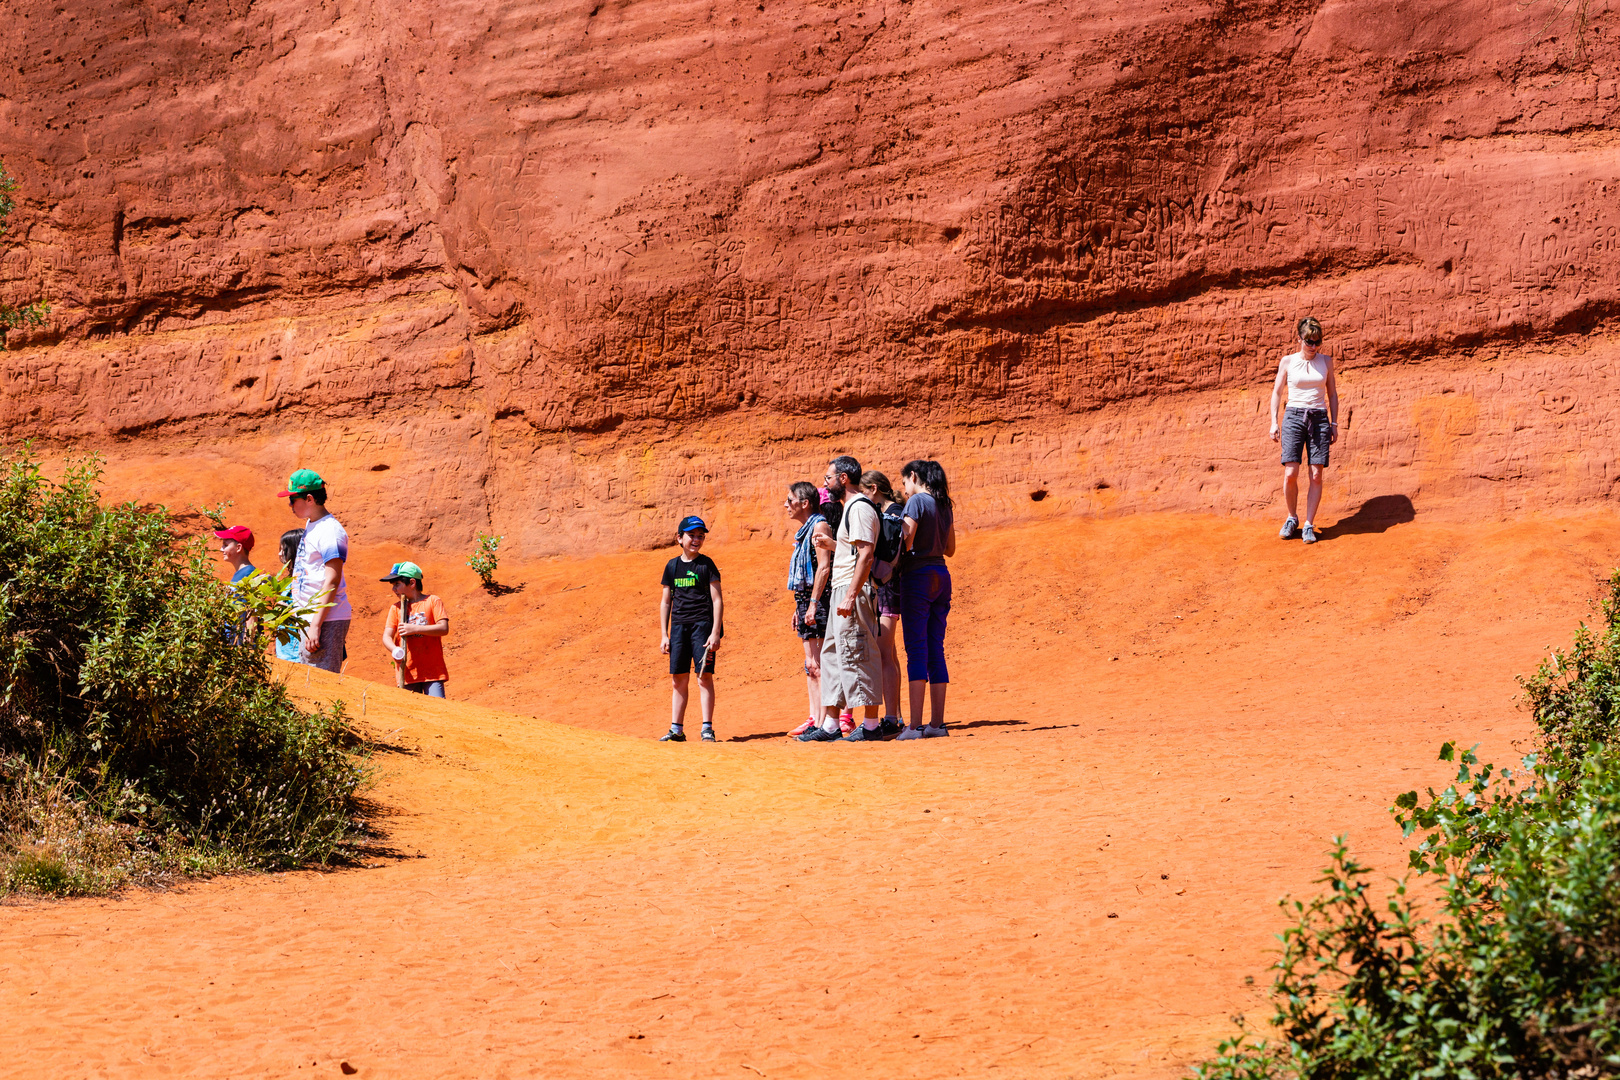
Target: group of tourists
x=867, y=566
x=313, y=558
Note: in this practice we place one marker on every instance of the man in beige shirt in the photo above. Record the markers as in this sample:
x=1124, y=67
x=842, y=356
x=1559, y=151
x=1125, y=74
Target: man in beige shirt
x=851, y=665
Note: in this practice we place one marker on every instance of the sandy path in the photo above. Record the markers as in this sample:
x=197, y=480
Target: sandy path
x=575, y=902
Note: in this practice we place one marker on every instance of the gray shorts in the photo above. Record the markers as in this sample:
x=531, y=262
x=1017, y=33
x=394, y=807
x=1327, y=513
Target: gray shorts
x=334, y=638
x=1305, y=429
x=851, y=666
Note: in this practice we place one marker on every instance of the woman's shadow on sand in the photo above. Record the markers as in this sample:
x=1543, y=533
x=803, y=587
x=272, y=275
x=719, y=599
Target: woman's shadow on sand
x=1376, y=515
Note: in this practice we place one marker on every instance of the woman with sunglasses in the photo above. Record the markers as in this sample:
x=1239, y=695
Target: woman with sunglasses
x=1309, y=423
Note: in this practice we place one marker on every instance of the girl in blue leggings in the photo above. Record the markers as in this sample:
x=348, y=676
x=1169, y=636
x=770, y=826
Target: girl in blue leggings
x=929, y=523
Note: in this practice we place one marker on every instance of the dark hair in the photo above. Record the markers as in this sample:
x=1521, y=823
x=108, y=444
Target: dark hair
x=805, y=491
x=833, y=511
x=318, y=494
x=844, y=465
x=289, y=545
x=1307, y=326
x=873, y=478
x=931, y=475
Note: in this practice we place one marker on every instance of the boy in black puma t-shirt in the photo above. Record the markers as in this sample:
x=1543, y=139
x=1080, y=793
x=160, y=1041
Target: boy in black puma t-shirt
x=689, y=617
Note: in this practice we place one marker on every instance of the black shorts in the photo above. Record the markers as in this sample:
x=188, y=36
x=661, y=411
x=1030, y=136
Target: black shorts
x=801, y=604
x=1305, y=430
x=686, y=641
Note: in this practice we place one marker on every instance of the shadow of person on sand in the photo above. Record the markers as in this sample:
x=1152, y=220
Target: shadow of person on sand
x=1373, y=516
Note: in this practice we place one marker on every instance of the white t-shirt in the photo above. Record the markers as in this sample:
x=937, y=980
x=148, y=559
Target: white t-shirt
x=1307, y=380
x=323, y=541
x=860, y=523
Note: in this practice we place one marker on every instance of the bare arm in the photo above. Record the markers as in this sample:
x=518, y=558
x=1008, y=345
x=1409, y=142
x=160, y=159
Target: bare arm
x=663, y=619
x=438, y=629
x=719, y=617
x=331, y=574
x=823, y=569
x=950, y=538
x=1276, y=395
x=908, y=530
x=1333, y=400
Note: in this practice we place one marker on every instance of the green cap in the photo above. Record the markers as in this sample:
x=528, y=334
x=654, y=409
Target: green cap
x=400, y=571
x=302, y=482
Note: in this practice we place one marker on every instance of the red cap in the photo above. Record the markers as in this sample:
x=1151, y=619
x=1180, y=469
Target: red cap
x=240, y=533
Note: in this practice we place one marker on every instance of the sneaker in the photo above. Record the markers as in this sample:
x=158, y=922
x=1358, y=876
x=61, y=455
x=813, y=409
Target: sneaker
x=862, y=734
x=673, y=736
x=891, y=725
x=1290, y=529
x=932, y=732
x=818, y=735
x=1310, y=534
x=909, y=733
x=846, y=722
x=708, y=734
x=802, y=728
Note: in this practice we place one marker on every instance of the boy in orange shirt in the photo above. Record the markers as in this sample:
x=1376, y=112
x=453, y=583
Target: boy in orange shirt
x=417, y=646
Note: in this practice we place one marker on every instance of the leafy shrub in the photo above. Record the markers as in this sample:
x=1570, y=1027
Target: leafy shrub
x=1575, y=695
x=484, y=559
x=120, y=681
x=1519, y=975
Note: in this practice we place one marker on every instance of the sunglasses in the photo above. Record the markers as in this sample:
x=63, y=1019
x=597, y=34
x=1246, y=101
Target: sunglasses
x=1312, y=340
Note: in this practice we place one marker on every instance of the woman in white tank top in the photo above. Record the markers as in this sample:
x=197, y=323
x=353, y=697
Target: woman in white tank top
x=1309, y=423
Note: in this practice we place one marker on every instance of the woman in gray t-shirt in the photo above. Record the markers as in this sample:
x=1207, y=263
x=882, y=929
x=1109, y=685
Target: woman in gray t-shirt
x=929, y=523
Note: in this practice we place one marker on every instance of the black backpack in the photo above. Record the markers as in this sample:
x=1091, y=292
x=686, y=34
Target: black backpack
x=891, y=537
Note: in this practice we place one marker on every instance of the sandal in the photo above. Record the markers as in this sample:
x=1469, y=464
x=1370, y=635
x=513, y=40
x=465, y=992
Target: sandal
x=846, y=722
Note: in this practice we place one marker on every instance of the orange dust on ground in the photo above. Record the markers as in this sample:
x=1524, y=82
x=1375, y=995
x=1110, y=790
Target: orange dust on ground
x=1159, y=723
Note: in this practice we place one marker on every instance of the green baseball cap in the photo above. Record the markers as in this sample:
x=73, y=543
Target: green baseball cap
x=400, y=571
x=302, y=482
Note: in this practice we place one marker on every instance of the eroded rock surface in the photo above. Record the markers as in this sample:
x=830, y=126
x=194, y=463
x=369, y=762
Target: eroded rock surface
x=577, y=268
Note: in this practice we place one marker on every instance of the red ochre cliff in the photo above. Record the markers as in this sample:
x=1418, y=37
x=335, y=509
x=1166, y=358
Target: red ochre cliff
x=572, y=269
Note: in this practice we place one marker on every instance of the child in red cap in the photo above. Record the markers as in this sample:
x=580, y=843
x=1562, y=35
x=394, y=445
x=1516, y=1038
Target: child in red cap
x=235, y=547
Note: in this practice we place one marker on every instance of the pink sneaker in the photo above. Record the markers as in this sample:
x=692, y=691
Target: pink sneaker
x=846, y=722
x=802, y=728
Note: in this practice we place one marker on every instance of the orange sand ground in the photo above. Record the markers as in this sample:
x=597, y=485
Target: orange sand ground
x=573, y=899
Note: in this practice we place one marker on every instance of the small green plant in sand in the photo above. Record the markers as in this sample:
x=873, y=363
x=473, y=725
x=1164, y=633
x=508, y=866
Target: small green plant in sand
x=141, y=731
x=484, y=560
x=1517, y=974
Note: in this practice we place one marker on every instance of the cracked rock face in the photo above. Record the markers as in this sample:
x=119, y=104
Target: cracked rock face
x=576, y=269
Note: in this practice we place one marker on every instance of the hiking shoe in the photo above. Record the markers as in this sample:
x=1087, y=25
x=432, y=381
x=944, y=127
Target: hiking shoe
x=909, y=733
x=1310, y=534
x=673, y=736
x=819, y=735
x=802, y=728
x=932, y=732
x=890, y=725
x=862, y=734
x=1290, y=529
x=708, y=734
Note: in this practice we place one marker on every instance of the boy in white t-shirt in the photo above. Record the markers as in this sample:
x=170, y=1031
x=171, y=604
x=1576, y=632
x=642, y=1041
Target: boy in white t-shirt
x=318, y=573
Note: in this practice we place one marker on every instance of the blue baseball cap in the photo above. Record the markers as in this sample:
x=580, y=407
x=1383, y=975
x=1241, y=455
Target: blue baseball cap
x=689, y=523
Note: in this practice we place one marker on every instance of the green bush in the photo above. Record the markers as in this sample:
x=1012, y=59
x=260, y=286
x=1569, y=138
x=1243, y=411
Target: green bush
x=121, y=681
x=1575, y=695
x=1518, y=975
x=485, y=558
